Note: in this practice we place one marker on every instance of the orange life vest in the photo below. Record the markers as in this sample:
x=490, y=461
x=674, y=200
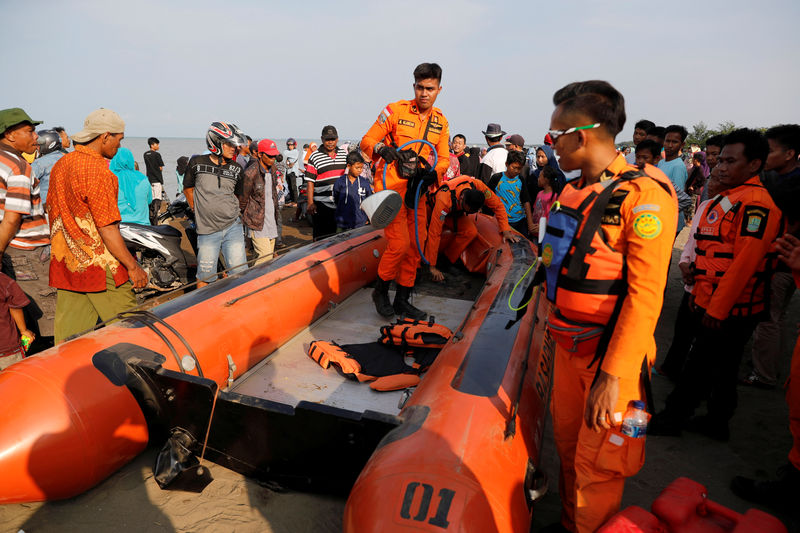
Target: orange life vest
x=715, y=252
x=383, y=374
x=586, y=278
x=409, y=333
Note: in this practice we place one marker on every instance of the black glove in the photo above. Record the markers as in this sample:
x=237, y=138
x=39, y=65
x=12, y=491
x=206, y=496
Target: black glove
x=388, y=153
x=407, y=164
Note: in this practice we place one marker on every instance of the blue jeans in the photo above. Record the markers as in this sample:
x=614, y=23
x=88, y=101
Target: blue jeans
x=231, y=241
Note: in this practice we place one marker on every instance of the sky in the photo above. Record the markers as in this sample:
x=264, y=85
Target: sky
x=280, y=69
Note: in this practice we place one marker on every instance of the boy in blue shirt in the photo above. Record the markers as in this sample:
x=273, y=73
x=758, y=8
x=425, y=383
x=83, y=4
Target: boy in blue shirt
x=513, y=191
x=348, y=193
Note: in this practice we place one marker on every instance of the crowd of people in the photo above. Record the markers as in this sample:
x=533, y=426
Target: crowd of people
x=603, y=217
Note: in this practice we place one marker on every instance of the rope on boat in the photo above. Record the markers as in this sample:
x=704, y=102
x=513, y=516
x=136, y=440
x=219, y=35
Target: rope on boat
x=142, y=314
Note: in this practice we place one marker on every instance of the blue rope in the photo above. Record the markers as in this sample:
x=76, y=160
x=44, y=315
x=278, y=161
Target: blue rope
x=419, y=187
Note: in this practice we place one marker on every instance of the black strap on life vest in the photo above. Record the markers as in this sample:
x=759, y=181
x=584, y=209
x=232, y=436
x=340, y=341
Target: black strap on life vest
x=577, y=262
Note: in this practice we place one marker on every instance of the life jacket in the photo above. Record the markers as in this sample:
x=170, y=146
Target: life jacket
x=410, y=334
x=715, y=253
x=384, y=368
x=585, y=277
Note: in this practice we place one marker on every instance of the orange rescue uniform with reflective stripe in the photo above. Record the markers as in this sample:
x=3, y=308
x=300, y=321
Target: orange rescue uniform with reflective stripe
x=397, y=124
x=733, y=238
x=444, y=212
x=641, y=225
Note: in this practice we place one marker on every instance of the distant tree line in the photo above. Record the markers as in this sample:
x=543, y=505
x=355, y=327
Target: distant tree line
x=700, y=132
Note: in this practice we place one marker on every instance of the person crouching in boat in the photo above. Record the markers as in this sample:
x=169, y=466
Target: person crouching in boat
x=450, y=206
x=398, y=123
x=606, y=253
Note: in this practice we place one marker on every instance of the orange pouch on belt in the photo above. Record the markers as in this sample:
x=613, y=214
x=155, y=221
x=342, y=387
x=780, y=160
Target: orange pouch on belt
x=578, y=338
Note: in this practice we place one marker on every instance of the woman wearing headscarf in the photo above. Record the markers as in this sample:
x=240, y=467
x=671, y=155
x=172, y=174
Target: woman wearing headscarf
x=546, y=157
x=135, y=193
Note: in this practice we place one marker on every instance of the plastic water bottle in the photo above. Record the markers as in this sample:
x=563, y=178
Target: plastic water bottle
x=634, y=424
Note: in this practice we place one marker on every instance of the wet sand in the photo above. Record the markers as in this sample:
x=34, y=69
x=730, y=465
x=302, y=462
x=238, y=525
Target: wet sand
x=130, y=500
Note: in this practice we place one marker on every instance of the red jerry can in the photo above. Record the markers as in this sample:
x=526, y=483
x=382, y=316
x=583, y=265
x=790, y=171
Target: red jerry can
x=633, y=519
x=684, y=507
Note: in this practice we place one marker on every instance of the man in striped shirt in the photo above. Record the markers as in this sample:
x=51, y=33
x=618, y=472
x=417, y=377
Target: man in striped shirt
x=23, y=226
x=324, y=167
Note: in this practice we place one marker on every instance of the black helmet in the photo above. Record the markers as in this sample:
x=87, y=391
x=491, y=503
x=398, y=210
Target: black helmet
x=49, y=141
x=218, y=134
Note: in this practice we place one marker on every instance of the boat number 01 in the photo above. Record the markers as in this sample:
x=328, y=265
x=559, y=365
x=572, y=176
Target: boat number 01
x=439, y=517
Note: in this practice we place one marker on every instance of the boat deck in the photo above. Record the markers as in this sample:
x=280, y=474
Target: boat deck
x=289, y=375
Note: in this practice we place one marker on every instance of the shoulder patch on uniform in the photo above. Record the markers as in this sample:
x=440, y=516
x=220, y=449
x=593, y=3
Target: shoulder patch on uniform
x=754, y=221
x=646, y=207
x=487, y=193
x=647, y=226
x=385, y=114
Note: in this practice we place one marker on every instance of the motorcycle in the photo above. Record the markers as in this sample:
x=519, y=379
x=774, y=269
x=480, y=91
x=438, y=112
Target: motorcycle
x=158, y=248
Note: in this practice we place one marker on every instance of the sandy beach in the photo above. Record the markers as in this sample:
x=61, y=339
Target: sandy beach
x=130, y=500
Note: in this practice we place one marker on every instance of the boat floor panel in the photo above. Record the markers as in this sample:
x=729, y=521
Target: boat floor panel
x=290, y=376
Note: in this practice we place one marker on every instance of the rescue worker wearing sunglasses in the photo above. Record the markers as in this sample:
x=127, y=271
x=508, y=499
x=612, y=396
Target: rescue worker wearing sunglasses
x=606, y=253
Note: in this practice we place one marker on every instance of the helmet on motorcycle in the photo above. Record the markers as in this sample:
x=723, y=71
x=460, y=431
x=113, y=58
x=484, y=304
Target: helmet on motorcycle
x=49, y=141
x=220, y=133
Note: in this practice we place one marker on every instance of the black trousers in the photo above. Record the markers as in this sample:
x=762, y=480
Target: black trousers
x=685, y=329
x=712, y=369
x=291, y=181
x=324, y=221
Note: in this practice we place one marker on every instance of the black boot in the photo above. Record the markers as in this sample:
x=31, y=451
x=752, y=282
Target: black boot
x=381, y=298
x=781, y=493
x=402, y=306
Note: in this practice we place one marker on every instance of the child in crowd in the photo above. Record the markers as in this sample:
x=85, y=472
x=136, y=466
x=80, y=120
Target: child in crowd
x=12, y=322
x=348, y=193
x=648, y=152
x=513, y=191
x=548, y=183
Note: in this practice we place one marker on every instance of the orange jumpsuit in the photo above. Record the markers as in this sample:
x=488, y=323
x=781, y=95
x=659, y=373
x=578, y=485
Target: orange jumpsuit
x=640, y=222
x=397, y=124
x=444, y=213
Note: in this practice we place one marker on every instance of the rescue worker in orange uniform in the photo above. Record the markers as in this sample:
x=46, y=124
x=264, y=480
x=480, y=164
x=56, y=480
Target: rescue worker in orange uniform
x=606, y=253
x=783, y=492
x=397, y=124
x=730, y=291
x=450, y=206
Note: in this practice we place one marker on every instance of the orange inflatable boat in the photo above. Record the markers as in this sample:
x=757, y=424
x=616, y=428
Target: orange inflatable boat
x=223, y=374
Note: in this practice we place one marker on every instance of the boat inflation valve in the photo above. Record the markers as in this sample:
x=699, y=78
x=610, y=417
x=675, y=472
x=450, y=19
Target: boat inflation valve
x=382, y=207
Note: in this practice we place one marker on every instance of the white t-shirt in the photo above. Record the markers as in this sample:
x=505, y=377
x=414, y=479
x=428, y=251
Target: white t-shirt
x=496, y=159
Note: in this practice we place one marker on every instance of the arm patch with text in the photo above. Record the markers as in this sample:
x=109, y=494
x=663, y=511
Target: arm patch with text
x=754, y=221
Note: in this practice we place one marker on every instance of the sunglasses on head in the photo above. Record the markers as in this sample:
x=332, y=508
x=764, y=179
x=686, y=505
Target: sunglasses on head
x=555, y=134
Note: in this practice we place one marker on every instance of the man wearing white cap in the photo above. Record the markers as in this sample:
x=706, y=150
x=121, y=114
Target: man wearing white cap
x=89, y=263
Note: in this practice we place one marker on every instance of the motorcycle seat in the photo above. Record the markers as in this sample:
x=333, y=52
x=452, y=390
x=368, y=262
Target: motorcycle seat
x=164, y=229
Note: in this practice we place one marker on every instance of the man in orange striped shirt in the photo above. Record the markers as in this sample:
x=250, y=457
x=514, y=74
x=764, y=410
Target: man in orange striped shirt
x=23, y=231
